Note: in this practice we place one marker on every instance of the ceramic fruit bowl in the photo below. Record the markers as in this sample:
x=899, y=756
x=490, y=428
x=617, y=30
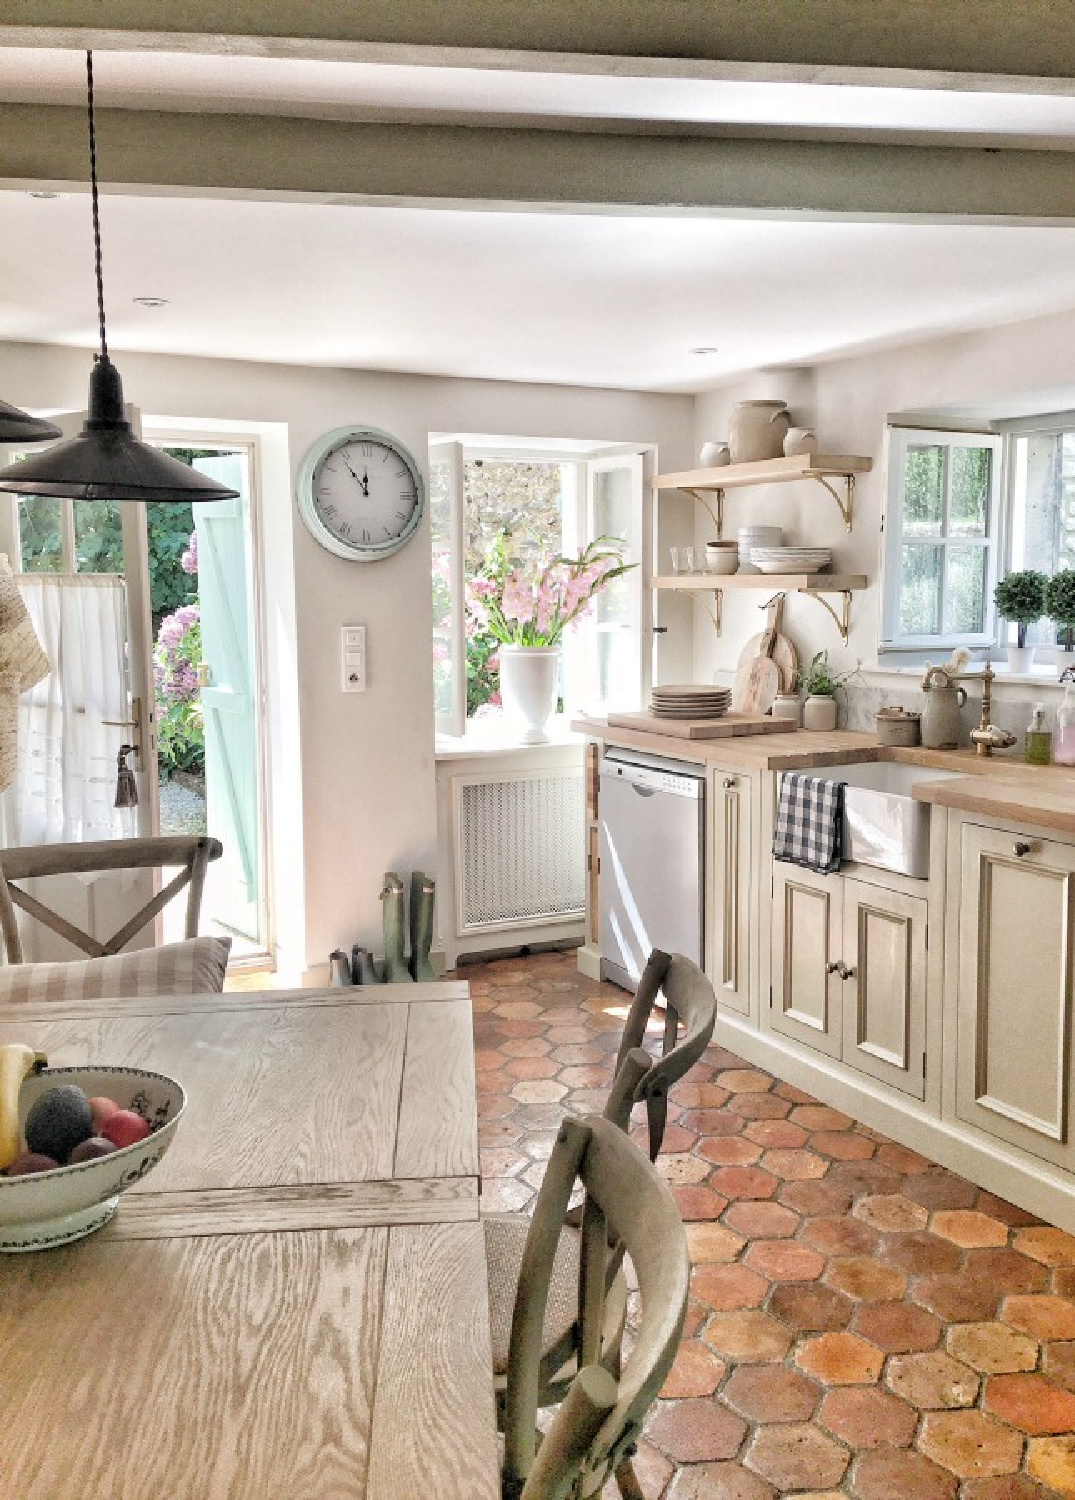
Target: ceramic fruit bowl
x=53, y=1208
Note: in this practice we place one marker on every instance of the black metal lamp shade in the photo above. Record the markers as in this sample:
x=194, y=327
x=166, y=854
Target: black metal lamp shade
x=107, y=461
x=20, y=427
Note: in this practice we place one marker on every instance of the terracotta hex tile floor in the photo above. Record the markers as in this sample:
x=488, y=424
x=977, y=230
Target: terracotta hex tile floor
x=863, y=1322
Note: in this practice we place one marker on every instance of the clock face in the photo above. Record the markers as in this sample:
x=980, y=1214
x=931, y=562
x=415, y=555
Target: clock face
x=360, y=493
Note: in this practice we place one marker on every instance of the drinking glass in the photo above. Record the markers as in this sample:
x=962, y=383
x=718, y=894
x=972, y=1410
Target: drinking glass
x=688, y=559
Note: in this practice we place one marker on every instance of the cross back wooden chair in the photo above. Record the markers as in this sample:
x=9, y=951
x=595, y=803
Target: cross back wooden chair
x=601, y=1415
x=192, y=852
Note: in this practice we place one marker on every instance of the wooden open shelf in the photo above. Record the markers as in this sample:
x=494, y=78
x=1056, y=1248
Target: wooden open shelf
x=828, y=583
x=816, y=585
x=822, y=468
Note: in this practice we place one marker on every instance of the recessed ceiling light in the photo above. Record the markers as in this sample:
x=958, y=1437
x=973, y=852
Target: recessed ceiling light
x=151, y=301
x=706, y=349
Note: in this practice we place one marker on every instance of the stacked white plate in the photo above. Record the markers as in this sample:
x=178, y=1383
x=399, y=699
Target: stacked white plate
x=690, y=701
x=756, y=536
x=790, y=559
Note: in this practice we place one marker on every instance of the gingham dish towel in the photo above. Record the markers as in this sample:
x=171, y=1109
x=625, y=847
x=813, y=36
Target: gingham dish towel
x=809, y=822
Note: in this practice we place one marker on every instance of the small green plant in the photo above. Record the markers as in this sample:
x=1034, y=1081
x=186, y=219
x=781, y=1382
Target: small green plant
x=1020, y=598
x=818, y=680
x=1060, y=606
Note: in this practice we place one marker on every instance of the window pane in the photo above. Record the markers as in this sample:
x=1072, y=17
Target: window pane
x=920, y=591
x=41, y=533
x=444, y=666
x=923, y=491
x=1066, y=558
x=964, y=606
x=969, y=514
x=98, y=537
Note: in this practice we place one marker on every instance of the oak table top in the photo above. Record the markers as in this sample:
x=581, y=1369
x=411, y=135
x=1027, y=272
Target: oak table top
x=295, y=1301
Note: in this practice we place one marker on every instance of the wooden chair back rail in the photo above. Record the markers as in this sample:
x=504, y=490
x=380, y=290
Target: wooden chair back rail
x=192, y=852
x=627, y=1199
x=691, y=1005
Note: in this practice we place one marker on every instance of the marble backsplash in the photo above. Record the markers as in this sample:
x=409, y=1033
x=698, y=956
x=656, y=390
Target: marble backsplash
x=1012, y=706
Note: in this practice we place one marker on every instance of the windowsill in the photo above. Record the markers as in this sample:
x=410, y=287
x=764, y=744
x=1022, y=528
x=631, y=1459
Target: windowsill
x=1045, y=675
x=492, y=736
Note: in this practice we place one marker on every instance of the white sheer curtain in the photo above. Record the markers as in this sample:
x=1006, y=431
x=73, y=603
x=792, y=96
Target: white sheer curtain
x=66, y=781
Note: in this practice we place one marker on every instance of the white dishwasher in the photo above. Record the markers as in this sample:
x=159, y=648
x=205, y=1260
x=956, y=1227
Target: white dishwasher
x=652, y=816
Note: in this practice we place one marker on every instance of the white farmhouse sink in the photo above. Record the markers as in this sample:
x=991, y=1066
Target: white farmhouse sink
x=883, y=825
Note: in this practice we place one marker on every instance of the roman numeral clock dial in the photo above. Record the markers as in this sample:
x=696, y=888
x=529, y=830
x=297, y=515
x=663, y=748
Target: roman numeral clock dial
x=360, y=493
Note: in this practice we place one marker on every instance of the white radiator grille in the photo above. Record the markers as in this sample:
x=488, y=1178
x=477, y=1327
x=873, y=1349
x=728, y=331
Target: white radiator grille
x=521, y=850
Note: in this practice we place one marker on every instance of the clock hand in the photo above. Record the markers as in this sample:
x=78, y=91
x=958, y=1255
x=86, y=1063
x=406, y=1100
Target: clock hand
x=350, y=471
x=365, y=483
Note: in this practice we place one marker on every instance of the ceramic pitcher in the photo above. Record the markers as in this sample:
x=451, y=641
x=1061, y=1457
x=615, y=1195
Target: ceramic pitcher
x=941, y=727
x=757, y=431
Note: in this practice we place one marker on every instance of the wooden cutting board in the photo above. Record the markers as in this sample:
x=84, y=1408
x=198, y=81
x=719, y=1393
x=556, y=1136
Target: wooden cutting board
x=782, y=653
x=703, y=729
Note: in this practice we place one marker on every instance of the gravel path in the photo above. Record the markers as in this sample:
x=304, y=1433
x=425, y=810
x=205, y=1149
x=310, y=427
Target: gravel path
x=182, y=810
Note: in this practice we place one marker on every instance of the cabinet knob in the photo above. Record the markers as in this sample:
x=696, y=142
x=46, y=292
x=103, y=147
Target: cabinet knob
x=1021, y=849
x=834, y=967
x=730, y=781
x=846, y=973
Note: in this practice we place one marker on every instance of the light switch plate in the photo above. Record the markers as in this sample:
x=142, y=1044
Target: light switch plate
x=353, y=650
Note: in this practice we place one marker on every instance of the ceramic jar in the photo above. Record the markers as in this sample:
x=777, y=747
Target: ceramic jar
x=941, y=725
x=819, y=712
x=788, y=706
x=799, y=440
x=529, y=678
x=714, y=455
x=898, y=726
x=757, y=430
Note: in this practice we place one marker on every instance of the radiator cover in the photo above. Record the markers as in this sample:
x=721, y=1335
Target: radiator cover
x=519, y=850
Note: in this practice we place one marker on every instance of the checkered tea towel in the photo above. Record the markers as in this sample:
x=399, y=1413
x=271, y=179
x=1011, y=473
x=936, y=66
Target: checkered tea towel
x=809, y=822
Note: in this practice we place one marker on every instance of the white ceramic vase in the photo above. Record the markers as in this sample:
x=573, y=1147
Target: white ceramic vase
x=529, y=677
x=1020, y=658
x=819, y=712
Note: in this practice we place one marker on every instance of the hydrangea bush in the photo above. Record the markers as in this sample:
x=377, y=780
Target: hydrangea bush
x=176, y=659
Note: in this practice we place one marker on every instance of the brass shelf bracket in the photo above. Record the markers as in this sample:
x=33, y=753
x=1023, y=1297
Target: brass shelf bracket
x=846, y=502
x=715, y=515
x=716, y=614
x=843, y=619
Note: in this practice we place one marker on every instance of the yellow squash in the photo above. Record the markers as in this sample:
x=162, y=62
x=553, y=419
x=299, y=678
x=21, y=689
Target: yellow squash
x=16, y=1060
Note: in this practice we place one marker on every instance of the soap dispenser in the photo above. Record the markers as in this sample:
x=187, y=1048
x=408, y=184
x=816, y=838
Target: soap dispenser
x=1039, y=740
x=1065, y=728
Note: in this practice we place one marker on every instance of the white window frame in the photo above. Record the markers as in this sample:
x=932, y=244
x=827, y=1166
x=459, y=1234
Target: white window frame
x=578, y=462
x=898, y=441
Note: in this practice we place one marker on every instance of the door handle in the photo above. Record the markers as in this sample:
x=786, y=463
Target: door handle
x=205, y=674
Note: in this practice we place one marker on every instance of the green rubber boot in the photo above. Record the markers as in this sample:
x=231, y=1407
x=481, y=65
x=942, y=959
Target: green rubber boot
x=395, y=965
x=423, y=895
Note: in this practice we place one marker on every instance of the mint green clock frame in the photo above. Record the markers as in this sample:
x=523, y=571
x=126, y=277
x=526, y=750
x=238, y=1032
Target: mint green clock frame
x=306, y=494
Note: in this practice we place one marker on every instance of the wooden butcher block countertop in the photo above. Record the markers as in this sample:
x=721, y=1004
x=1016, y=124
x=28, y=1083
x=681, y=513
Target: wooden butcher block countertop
x=997, y=786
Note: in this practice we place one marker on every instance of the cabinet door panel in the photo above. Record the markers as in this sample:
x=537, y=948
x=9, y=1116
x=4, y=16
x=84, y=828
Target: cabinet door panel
x=1015, y=990
x=806, y=938
x=884, y=997
x=731, y=801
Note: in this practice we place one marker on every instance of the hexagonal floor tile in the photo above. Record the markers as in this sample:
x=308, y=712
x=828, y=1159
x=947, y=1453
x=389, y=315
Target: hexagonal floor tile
x=840, y=1359
x=695, y=1431
x=770, y=1393
x=970, y=1444
x=933, y=1381
x=864, y=1417
x=796, y=1456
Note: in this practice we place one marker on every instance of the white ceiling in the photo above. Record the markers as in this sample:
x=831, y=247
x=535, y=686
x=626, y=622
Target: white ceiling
x=566, y=297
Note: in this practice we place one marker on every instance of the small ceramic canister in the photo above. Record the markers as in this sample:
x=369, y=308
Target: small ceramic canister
x=714, y=455
x=898, y=726
x=800, y=440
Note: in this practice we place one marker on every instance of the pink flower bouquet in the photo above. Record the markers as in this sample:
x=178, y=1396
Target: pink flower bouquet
x=521, y=610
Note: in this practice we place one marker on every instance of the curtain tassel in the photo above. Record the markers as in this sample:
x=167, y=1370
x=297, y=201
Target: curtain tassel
x=126, y=786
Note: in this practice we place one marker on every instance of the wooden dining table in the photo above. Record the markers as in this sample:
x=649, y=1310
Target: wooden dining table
x=295, y=1301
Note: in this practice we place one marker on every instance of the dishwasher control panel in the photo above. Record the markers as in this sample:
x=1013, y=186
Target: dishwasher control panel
x=686, y=782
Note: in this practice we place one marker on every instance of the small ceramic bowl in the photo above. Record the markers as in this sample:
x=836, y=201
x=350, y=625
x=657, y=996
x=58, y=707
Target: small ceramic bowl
x=53, y=1208
x=722, y=557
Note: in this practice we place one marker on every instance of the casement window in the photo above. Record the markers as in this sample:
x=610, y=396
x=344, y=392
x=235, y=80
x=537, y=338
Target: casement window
x=942, y=533
x=553, y=502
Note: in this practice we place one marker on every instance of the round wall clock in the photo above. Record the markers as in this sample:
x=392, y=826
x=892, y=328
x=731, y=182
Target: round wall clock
x=360, y=493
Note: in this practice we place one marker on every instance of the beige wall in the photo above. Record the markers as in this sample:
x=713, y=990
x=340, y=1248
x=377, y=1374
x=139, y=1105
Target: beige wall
x=849, y=401
x=363, y=769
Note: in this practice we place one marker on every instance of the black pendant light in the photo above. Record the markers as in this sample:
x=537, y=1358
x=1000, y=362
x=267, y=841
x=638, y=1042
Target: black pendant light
x=20, y=427
x=107, y=461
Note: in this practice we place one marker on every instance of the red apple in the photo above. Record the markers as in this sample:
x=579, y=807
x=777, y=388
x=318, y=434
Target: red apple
x=125, y=1128
x=102, y=1109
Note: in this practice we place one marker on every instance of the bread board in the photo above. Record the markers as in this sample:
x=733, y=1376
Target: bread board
x=703, y=729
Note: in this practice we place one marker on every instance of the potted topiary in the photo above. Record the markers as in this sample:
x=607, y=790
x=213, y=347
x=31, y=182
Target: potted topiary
x=1060, y=606
x=821, y=684
x=1020, y=598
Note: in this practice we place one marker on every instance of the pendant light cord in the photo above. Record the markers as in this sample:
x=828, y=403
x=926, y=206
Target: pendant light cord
x=96, y=213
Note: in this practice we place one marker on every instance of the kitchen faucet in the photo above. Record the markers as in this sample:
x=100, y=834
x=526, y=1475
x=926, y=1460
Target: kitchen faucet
x=987, y=737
